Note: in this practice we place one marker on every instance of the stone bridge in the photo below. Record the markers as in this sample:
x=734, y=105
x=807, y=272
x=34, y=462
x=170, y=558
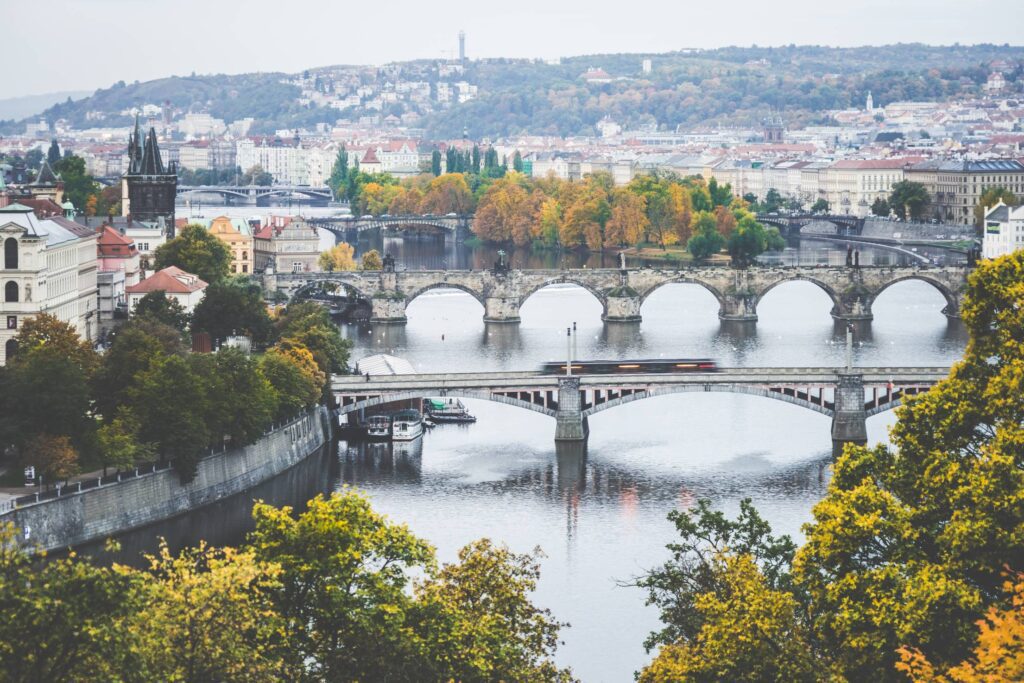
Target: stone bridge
x=793, y=224
x=339, y=225
x=848, y=396
x=252, y=194
x=621, y=293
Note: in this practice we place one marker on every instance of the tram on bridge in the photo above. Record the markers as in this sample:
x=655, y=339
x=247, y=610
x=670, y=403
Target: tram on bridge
x=628, y=367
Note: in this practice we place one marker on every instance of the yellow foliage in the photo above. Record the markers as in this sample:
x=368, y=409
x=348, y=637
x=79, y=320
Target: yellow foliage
x=339, y=257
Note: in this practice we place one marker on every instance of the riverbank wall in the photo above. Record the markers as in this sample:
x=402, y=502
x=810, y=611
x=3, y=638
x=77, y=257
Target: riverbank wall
x=77, y=518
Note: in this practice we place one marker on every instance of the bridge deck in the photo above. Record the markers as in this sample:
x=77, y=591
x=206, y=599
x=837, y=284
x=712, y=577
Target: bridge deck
x=537, y=380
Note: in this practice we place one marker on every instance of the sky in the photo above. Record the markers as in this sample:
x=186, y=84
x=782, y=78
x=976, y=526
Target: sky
x=61, y=45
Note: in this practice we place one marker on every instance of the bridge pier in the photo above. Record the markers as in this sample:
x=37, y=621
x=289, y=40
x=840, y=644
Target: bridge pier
x=853, y=308
x=849, y=423
x=388, y=308
x=738, y=307
x=570, y=425
x=501, y=309
x=622, y=305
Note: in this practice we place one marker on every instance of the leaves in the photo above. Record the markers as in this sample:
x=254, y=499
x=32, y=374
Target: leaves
x=198, y=252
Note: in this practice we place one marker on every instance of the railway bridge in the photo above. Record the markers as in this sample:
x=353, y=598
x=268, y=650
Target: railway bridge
x=849, y=396
x=340, y=225
x=622, y=292
x=252, y=194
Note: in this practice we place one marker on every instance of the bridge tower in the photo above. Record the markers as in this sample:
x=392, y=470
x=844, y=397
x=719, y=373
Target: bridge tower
x=570, y=425
x=849, y=424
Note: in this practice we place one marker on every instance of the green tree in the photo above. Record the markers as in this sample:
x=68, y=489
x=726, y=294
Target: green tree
x=750, y=239
x=233, y=306
x=880, y=207
x=772, y=201
x=241, y=403
x=119, y=443
x=721, y=195
x=198, y=252
x=908, y=199
x=517, y=162
x=435, y=163
x=295, y=377
x=170, y=402
x=707, y=240
x=160, y=308
x=132, y=351
x=310, y=325
x=339, y=172
x=79, y=186
x=257, y=176
x=53, y=154
x=989, y=198
x=47, y=331
x=48, y=394
x=821, y=206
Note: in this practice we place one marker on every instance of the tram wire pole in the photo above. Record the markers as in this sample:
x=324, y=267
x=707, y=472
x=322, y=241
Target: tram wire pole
x=849, y=347
x=568, y=351
x=575, y=349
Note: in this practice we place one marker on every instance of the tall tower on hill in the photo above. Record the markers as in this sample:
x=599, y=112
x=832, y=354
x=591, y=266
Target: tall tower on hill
x=462, y=48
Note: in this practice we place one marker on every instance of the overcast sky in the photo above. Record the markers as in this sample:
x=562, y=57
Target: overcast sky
x=55, y=45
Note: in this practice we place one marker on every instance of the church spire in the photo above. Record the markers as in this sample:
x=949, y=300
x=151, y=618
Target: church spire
x=151, y=163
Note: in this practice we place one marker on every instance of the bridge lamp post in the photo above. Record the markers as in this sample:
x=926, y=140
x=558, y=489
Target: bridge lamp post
x=849, y=347
x=568, y=351
x=574, y=348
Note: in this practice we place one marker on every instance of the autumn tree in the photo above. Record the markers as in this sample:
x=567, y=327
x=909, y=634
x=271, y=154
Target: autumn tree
x=337, y=258
x=990, y=198
x=448, y=193
x=725, y=221
x=681, y=207
x=371, y=261
x=295, y=377
x=549, y=221
x=54, y=457
x=505, y=212
x=628, y=221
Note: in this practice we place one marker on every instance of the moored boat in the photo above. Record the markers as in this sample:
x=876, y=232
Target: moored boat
x=447, y=410
x=406, y=425
x=378, y=428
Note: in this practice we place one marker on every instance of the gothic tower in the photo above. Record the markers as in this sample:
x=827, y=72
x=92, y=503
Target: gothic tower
x=149, y=188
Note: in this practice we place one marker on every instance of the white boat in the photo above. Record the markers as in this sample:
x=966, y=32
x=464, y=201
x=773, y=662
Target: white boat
x=406, y=425
x=447, y=410
x=378, y=428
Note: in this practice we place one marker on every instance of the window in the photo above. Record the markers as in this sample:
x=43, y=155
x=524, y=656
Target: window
x=11, y=291
x=245, y=256
x=11, y=253
x=11, y=348
x=245, y=267
x=12, y=322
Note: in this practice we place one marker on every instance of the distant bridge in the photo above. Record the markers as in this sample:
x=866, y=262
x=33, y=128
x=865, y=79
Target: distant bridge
x=252, y=194
x=339, y=225
x=793, y=224
x=849, y=397
x=621, y=292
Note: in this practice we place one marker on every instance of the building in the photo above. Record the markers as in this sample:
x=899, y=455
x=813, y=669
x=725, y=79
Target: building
x=236, y=233
x=851, y=186
x=1004, y=231
x=48, y=266
x=955, y=187
x=119, y=268
x=185, y=288
x=148, y=189
x=47, y=184
x=288, y=245
x=285, y=161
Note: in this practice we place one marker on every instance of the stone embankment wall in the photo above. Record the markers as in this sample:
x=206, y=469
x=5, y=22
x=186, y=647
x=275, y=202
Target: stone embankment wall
x=98, y=513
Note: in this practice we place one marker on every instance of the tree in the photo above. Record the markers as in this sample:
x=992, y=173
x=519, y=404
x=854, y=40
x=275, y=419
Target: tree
x=628, y=221
x=79, y=186
x=549, y=221
x=750, y=239
x=133, y=349
x=170, y=402
x=48, y=393
x=474, y=165
x=160, y=308
x=371, y=260
x=241, y=402
x=233, y=306
x=295, y=377
x=435, y=163
x=749, y=632
x=517, y=162
x=446, y=194
x=725, y=221
x=53, y=154
x=343, y=598
x=54, y=457
x=505, y=212
x=339, y=172
x=998, y=656
x=198, y=252
x=908, y=198
x=772, y=201
x=908, y=546
x=310, y=326
x=821, y=206
x=45, y=330
x=477, y=621
x=257, y=176
x=208, y=616
x=990, y=198
x=721, y=195
x=119, y=444
x=707, y=239
x=337, y=258
x=880, y=207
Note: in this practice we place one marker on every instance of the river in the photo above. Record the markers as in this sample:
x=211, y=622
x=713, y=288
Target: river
x=600, y=518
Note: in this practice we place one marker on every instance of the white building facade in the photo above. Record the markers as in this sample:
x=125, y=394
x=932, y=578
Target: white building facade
x=1004, y=231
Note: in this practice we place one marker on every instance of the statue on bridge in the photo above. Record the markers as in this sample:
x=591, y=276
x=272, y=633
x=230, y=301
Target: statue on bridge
x=501, y=265
x=388, y=263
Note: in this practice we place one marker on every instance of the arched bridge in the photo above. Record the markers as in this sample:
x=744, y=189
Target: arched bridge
x=793, y=224
x=849, y=397
x=252, y=194
x=341, y=224
x=622, y=292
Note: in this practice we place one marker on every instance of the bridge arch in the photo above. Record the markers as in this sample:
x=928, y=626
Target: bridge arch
x=684, y=280
x=446, y=285
x=952, y=302
x=567, y=280
x=224, y=192
x=707, y=388
x=447, y=393
x=837, y=304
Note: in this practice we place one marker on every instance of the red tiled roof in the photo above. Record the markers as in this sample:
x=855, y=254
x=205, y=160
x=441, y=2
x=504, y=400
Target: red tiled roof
x=111, y=237
x=43, y=207
x=371, y=157
x=868, y=164
x=170, y=279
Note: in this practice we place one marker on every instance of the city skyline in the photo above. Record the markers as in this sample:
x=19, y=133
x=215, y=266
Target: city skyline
x=402, y=31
